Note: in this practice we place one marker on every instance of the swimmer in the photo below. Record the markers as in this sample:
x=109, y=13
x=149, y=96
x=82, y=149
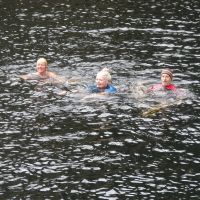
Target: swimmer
x=42, y=73
x=172, y=96
x=166, y=85
x=103, y=83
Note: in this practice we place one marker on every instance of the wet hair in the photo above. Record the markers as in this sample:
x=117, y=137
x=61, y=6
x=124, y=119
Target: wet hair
x=42, y=60
x=105, y=73
x=168, y=72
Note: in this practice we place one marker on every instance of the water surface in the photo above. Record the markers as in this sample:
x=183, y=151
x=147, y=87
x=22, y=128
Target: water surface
x=72, y=147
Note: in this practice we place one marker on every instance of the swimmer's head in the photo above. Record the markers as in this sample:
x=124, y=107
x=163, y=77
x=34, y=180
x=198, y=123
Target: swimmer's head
x=105, y=74
x=41, y=66
x=168, y=72
x=42, y=61
x=103, y=78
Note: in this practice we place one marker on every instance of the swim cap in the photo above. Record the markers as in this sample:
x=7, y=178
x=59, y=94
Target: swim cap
x=168, y=72
x=105, y=73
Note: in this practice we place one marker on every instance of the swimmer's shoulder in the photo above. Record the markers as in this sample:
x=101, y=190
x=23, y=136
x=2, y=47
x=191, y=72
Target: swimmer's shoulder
x=52, y=75
x=30, y=76
x=111, y=89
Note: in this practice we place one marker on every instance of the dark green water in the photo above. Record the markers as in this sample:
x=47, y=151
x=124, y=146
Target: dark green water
x=72, y=147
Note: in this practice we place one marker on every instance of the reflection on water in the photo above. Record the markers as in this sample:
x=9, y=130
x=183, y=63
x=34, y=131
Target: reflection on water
x=80, y=146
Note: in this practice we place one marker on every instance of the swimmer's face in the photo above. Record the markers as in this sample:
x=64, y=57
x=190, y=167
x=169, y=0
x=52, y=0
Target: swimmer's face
x=41, y=66
x=101, y=82
x=165, y=79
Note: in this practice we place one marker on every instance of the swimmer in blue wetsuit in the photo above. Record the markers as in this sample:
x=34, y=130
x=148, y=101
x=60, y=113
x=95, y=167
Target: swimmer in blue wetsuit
x=103, y=83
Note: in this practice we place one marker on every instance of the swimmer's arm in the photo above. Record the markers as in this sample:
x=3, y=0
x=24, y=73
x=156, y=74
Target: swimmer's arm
x=24, y=77
x=56, y=78
x=144, y=89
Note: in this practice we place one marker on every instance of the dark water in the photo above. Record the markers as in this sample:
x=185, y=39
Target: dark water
x=78, y=147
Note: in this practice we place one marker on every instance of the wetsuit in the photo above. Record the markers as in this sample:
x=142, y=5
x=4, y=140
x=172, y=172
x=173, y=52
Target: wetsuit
x=159, y=86
x=109, y=89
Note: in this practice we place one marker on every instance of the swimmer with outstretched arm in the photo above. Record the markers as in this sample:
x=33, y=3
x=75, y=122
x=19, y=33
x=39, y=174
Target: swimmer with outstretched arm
x=42, y=73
